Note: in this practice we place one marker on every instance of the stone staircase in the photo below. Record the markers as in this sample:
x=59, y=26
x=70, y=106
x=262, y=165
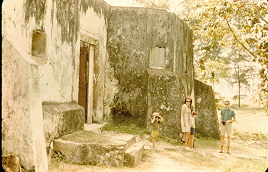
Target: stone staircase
x=96, y=147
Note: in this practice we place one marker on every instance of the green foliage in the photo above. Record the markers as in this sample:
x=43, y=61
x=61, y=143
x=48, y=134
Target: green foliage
x=211, y=71
x=218, y=100
x=58, y=156
x=236, y=24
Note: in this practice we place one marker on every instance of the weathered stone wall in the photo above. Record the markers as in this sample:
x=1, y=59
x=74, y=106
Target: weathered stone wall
x=28, y=80
x=131, y=35
x=165, y=95
x=207, y=121
x=22, y=119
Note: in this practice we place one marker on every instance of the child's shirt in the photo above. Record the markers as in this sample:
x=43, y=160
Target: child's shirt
x=155, y=125
x=192, y=122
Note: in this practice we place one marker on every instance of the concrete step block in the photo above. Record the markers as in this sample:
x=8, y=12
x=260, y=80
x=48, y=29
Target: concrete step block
x=61, y=119
x=86, y=147
x=133, y=155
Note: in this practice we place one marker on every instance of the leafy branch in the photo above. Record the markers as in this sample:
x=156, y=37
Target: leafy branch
x=235, y=37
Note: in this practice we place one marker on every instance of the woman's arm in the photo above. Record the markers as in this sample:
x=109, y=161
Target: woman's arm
x=183, y=112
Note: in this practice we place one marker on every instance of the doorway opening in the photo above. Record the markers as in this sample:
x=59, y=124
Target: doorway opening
x=86, y=73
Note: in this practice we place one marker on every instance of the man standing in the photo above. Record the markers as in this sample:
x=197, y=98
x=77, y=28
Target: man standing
x=227, y=118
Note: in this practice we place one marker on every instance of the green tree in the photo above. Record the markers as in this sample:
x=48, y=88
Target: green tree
x=213, y=72
x=235, y=24
x=242, y=72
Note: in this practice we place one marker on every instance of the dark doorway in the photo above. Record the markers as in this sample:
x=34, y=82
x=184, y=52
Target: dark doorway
x=83, y=79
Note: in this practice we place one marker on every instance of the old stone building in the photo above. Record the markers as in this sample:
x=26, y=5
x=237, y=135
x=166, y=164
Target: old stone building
x=69, y=62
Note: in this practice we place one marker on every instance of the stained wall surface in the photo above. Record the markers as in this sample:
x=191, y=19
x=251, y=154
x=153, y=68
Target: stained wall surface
x=207, y=122
x=142, y=87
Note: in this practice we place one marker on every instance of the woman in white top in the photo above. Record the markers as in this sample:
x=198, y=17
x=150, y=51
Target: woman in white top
x=186, y=113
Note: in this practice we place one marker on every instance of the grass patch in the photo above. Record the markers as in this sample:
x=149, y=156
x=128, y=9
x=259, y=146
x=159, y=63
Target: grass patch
x=135, y=130
x=169, y=140
x=207, y=143
x=123, y=128
x=251, y=136
x=203, y=142
x=248, y=166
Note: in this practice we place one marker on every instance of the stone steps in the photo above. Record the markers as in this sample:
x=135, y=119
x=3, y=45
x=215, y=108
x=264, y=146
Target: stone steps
x=133, y=155
x=94, y=147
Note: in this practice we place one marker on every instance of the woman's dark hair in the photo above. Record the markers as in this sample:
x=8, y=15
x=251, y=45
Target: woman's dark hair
x=188, y=99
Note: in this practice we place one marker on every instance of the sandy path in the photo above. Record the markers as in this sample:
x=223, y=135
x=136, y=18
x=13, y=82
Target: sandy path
x=172, y=158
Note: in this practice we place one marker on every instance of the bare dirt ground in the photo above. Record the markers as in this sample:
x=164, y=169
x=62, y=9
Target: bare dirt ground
x=249, y=152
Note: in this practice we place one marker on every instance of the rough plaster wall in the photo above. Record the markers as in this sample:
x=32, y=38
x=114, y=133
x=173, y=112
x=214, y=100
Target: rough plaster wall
x=131, y=34
x=60, y=22
x=59, y=76
x=15, y=29
x=22, y=120
x=94, y=16
x=55, y=80
x=165, y=95
x=207, y=121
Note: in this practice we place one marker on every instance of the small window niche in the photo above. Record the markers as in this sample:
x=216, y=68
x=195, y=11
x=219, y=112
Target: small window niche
x=157, y=58
x=39, y=46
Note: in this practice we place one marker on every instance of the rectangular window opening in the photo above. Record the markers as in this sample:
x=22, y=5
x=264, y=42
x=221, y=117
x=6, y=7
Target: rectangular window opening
x=157, y=58
x=39, y=44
